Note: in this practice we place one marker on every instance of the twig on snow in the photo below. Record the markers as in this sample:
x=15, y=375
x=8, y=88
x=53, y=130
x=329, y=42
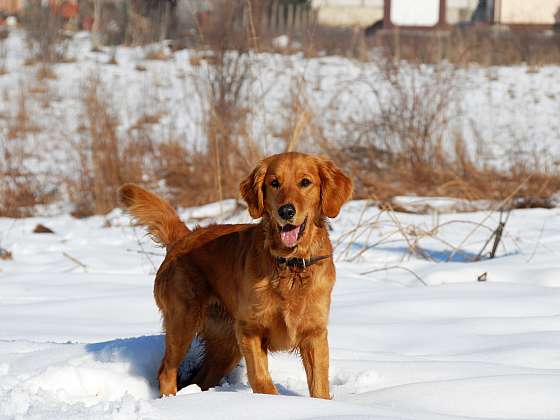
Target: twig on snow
x=75, y=260
x=396, y=267
x=537, y=244
x=143, y=251
x=500, y=205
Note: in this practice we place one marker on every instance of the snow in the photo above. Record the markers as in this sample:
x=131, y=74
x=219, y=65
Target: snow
x=414, y=338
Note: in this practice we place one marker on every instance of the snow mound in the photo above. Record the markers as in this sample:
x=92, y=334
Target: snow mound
x=508, y=396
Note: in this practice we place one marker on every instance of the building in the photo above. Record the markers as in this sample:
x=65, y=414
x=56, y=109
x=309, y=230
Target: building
x=523, y=12
x=363, y=13
x=439, y=13
x=10, y=7
x=425, y=14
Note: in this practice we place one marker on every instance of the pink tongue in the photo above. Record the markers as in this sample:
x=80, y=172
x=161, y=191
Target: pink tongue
x=290, y=237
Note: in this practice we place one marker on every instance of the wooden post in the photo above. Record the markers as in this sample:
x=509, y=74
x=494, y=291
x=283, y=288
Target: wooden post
x=297, y=17
x=290, y=17
x=164, y=22
x=442, y=21
x=387, y=22
x=274, y=16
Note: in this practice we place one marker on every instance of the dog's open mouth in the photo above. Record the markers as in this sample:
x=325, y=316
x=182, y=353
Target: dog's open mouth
x=289, y=234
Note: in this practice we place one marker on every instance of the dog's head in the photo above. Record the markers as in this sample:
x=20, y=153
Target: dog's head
x=295, y=191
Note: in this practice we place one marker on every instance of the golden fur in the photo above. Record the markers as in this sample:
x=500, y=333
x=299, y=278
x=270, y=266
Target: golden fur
x=225, y=284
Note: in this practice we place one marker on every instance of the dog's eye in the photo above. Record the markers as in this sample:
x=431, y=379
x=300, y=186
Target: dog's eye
x=275, y=184
x=305, y=182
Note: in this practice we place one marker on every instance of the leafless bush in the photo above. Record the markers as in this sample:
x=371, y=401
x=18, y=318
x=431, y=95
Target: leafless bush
x=227, y=98
x=406, y=142
x=99, y=152
x=225, y=87
x=20, y=122
x=112, y=21
x=45, y=38
x=3, y=51
x=414, y=108
x=21, y=189
x=325, y=40
x=406, y=125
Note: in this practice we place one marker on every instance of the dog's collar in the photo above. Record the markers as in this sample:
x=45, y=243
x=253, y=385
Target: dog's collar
x=300, y=262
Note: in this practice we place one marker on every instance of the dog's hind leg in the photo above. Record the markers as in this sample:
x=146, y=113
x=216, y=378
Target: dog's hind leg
x=182, y=297
x=222, y=352
x=180, y=329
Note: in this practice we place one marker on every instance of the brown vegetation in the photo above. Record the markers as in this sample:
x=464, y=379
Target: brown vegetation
x=406, y=144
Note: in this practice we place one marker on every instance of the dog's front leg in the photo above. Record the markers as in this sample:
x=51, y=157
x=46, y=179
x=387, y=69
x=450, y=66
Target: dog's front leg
x=256, y=359
x=314, y=351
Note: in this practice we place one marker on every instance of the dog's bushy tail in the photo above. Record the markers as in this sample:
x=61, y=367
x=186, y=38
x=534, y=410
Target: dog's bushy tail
x=156, y=214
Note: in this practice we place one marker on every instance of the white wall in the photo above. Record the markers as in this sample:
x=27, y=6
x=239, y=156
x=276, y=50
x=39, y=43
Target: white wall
x=527, y=11
x=348, y=12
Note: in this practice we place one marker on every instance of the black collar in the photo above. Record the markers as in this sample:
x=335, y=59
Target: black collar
x=300, y=262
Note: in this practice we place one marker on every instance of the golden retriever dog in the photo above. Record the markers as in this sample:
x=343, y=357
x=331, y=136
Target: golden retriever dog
x=249, y=289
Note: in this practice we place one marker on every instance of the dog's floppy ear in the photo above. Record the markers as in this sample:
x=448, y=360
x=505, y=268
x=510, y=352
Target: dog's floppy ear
x=336, y=188
x=252, y=190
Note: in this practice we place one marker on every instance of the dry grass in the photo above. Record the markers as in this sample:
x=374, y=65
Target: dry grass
x=99, y=152
x=225, y=90
x=21, y=188
x=3, y=51
x=408, y=144
x=158, y=54
x=486, y=46
x=45, y=38
x=20, y=123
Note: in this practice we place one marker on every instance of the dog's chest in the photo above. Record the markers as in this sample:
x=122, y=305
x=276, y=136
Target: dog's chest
x=288, y=293
x=290, y=283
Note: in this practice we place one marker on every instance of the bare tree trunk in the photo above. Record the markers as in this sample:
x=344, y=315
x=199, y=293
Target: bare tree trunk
x=96, y=28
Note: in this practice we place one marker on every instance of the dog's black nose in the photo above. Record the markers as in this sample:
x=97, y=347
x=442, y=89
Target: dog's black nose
x=287, y=211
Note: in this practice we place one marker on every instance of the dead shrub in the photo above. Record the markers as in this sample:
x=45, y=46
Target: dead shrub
x=327, y=40
x=156, y=54
x=20, y=123
x=99, y=161
x=407, y=125
x=4, y=34
x=187, y=177
x=45, y=38
x=225, y=88
x=21, y=190
x=407, y=144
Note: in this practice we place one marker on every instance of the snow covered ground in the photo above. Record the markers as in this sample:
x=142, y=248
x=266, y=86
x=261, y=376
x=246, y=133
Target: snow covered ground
x=412, y=336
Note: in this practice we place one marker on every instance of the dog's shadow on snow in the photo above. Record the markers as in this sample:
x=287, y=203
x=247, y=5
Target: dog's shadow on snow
x=144, y=355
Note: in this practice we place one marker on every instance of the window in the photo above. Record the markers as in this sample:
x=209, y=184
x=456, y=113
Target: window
x=415, y=12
